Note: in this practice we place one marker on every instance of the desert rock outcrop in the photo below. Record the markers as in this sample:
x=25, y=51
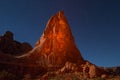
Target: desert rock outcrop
x=56, y=45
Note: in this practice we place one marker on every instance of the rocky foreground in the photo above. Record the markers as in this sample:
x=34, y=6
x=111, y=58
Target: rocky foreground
x=54, y=57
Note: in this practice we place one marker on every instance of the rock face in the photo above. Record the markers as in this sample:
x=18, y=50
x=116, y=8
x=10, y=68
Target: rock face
x=68, y=68
x=9, y=46
x=91, y=71
x=56, y=45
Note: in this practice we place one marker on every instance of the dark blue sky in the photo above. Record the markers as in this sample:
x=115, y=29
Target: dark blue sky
x=95, y=24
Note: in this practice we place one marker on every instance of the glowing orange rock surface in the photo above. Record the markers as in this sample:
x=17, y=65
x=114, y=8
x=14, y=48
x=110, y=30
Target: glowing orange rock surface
x=56, y=45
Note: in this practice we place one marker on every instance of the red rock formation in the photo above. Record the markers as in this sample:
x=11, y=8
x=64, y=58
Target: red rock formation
x=56, y=45
x=55, y=51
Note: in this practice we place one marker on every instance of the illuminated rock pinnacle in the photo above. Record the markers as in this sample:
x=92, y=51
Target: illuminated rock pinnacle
x=56, y=45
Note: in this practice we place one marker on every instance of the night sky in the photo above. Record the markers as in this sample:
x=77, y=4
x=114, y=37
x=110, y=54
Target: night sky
x=95, y=24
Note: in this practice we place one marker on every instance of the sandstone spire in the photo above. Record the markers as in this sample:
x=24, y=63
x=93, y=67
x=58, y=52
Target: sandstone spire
x=56, y=45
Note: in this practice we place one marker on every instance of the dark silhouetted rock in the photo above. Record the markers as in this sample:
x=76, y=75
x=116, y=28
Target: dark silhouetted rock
x=9, y=46
x=25, y=47
x=113, y=70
